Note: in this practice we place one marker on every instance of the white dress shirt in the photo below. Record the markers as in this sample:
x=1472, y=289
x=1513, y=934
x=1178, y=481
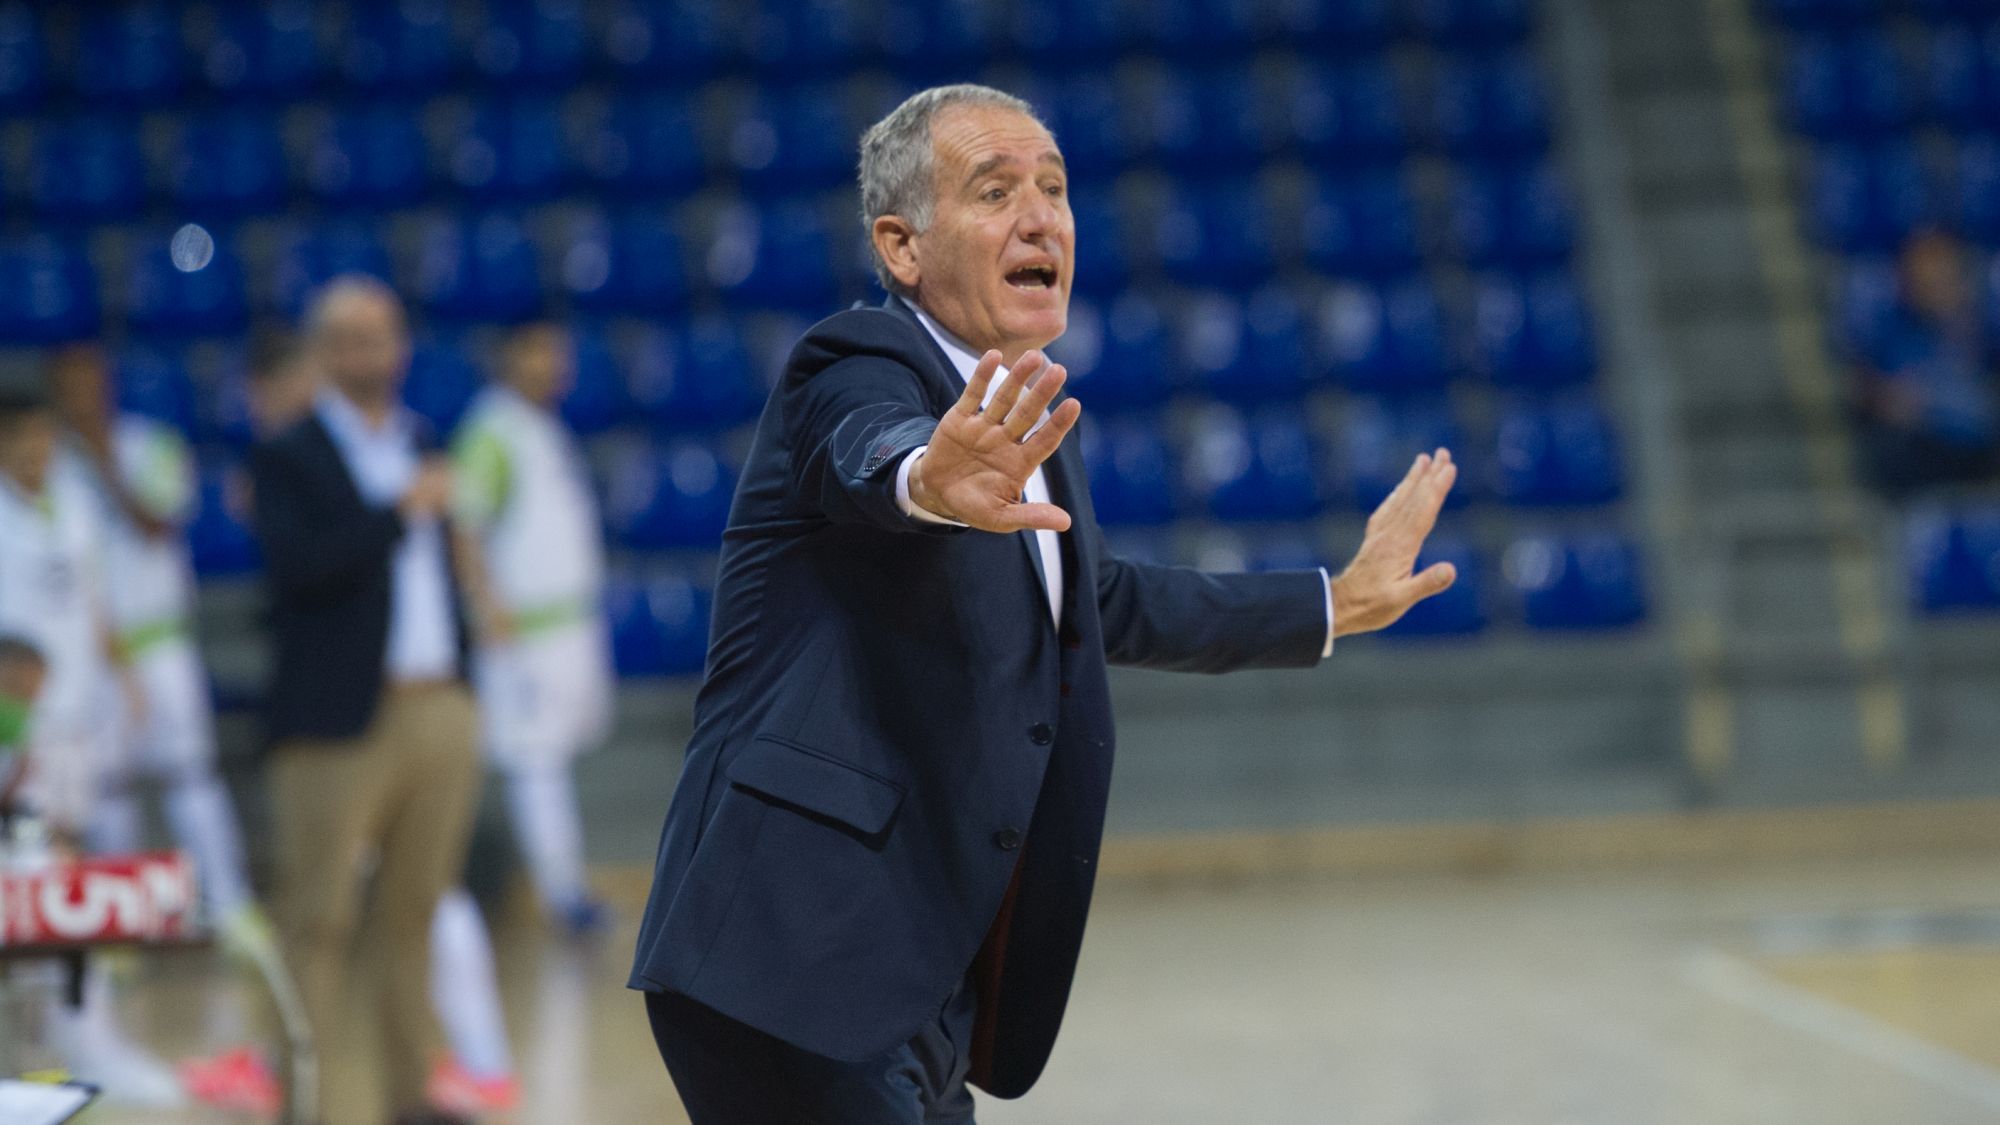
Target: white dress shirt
x=423, y=640
x=964, y=362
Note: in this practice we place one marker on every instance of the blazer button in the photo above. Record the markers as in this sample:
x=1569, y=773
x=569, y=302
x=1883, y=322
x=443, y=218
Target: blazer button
x=1007, y=839
x=1041, y=734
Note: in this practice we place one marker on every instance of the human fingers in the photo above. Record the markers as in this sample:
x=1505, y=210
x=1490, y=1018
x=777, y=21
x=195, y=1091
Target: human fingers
x=982, y=377
x=1032, y=517
x=1027, y=413
x=1009, y=391
x=1392, y=504
x=1428, y=583
x=1042, y=444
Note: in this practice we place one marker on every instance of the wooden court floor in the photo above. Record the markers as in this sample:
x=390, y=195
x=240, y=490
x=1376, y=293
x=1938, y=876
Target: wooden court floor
x=1849, y=993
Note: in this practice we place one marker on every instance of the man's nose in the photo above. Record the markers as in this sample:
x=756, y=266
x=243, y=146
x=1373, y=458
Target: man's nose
x=1040, y=216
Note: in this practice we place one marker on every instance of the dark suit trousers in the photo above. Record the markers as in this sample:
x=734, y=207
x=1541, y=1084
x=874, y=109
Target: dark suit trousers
x=729, y=1073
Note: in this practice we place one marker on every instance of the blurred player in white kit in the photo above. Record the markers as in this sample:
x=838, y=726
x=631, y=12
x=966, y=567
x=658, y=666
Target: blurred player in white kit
x=51, y=592
x=534, y=568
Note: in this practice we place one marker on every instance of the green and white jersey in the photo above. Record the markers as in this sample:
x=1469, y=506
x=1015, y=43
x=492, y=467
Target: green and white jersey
x=523, y=491
x=49, y=588
x=150, y=595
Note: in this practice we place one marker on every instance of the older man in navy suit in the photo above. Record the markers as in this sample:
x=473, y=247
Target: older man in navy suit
x=873, y=880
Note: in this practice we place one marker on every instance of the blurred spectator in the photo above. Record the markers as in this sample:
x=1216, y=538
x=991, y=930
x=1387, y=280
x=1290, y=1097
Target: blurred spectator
x=21, y=675
x=1925, y=393
x=371, y=726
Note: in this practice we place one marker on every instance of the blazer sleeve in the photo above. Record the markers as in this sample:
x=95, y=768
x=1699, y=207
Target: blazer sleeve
x=309, y=551
x=850, y=424
x=1177, y=619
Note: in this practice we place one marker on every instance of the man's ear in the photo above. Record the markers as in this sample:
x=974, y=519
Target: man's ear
x=896, y=242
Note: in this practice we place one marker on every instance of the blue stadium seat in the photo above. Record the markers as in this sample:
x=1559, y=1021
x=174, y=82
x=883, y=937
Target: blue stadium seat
x=1533, y=332
x=48, y=291
x=1472, y=23
x=313, y=253
x=1988, y=285
x=1167, y=109
x=1379, y=439
x=477, y=269
x=1387, y=338
x=154, y=382
x=514, y=150
x=232, y=163
x=223, y=414
x=1515, y=217
x=630, y=264
x=1978, y=187
x=1490, y=106
x=1964, y=70
x=1954, y=559
x=1221, y=235
x=405, y=45
x=1198, y=30
x=23, y=57
x=163, y=300
x=1100, y=248
x=1867, y=200
x=778, y=257
x=670, y=496
x=659, y=625
x=1365, y=227
x=1071, y=33
x=1347, y=112
x=1133, y=475
x=87, y=168
x=1562, y=452
x=1941, y=11
x=697, y=377
x=648, y=147
x=1865, y=301
x=1589, y=581
x=1358, y=27
x=1809, y=14
x=130, y=53
x=795, y=141
x=531, y=40
x=271, y=48
x=927, y=41
x=807, y=38
x=1088, y=117
x=1284, y=547
x=1459, y=611
x=222, y=544
x=1255, y=469
x=596, y=400
x=1847, y=85
x=1132, y=361
x=442, y=381
x=685, y=40
x=1249, y=351
x=372, y=156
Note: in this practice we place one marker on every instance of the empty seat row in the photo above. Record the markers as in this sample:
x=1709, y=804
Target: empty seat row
x=1837, y=15
x=1865, y=302
x=1867, y=199
x=141, y=52
x=1953, y=556
x=1871, y=82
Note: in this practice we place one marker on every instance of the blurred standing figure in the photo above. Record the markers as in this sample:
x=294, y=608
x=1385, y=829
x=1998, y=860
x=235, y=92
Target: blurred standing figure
x=1927, y=396
x=535, y=581
x=21, y=676
x=371, y=727
x=50, y=597
x=144, y=478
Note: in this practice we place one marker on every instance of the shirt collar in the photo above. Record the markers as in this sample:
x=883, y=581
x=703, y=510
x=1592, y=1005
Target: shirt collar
x=347, y=422
x=958, y=351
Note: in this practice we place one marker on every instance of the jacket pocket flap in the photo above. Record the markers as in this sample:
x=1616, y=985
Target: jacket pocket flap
x=799, y=776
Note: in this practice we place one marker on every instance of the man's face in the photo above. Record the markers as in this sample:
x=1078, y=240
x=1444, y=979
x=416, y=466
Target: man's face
x=363, y=346
x=282, y=396
x=995, y=264
x=28, y=448
x=1933, y=279
x=81, y=388
x=539, y=365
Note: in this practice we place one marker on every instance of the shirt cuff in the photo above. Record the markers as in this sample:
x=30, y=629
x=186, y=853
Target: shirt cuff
x=1326, y=583
x=917, y=512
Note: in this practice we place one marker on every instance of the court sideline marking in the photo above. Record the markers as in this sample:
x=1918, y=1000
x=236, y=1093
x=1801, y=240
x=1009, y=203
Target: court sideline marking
x=1737, y=981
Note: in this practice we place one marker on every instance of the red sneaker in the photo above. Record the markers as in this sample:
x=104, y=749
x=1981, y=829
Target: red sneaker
x=454, y=1089
x=235, y=1080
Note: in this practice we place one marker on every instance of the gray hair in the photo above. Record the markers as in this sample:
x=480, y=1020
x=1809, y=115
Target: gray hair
x=896, y=173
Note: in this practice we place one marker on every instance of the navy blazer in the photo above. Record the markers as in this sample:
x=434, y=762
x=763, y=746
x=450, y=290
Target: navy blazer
x=327, y=569
x=892, y=737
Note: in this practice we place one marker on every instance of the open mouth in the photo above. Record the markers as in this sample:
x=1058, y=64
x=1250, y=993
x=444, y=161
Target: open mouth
x=1033, y=277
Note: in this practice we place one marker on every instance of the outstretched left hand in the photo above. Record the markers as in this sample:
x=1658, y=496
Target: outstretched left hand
x=1378, y=588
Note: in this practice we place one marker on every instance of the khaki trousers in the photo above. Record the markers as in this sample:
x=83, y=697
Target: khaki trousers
x=403, y=796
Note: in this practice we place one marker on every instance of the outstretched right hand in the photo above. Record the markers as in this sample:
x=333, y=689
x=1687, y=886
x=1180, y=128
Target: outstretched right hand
x=981, y=456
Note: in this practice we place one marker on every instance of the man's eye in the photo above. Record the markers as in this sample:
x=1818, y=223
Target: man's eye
x=994, y=195
x=1055, y=191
